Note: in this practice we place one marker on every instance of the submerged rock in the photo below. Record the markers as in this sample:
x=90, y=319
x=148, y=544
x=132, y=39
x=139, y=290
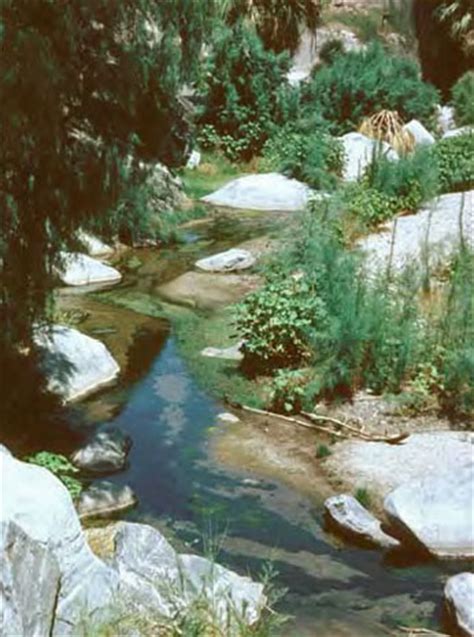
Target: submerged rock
x=421, y=136
x=105, y=498
x=270, y=191
x=459, y=596
x=360, y=151
x=105, y=452
x=80, y=269
x=354, y=521
x=436, y=512
x=75, y=364
x=229, y=261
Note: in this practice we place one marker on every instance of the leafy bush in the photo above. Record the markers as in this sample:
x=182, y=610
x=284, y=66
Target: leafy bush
x=61, y=467
x=274, y=323
x=330, y=50
x=246, y=95
x=361, y=83
x=288, y=391
x=317, y=158
x=369, y=205
x=454, y=159
x=463, y=99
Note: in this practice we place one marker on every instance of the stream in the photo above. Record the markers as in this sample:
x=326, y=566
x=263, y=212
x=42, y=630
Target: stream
x=332, y=589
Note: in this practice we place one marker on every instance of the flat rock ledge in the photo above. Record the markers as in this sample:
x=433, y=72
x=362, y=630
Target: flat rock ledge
x=230, y=261
x=459, y=597
x=436, y=513
x=81, y=269
x=270, y=192
x=75, y=364
x=51, y=583
x=353, y=521
x=104, y=499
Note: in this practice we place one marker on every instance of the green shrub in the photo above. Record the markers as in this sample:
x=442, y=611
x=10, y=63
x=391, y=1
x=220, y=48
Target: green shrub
x=323, y=451
x=61, y=467
x=454, y=159
x=317, y=158
x=330, y=50
x=409, y=182
x=463, y=99
x=246, y=94
x=369, y=205
x=361, y=83
x=287, y=391
x=274, y=323
x=363, y=497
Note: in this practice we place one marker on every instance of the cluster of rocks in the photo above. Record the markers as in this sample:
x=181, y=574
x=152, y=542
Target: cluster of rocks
x=51, y=583
x=426, y=486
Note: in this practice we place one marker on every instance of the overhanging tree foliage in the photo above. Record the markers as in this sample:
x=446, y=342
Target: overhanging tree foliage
x=83, y=84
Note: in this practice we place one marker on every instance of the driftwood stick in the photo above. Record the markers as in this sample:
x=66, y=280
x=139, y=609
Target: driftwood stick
x=334, y=421
x=422, y=631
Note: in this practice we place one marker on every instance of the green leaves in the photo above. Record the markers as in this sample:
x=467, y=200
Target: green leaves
x=61, y=467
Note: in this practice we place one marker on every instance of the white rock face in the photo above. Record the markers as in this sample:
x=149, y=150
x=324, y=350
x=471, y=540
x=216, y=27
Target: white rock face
x=459, y=595
x=433, y=232
x=80, y=269
x=38, y=504
x=457, y=132
x=445, y=117
x=270, y=191
x=360, y=151
x=382, y=468
x=95, y=246
x=229, y=261
x=437, y=512
x=105, y=452
x=74, y=363
x=353, y=520
x=422, y=136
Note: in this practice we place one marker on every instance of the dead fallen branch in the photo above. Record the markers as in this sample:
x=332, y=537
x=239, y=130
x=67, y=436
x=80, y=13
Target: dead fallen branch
x=421, y=631
x=392, y=440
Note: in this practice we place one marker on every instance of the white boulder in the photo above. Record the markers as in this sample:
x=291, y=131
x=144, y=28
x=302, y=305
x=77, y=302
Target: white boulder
x=445, y=118
x=360, y=151
x=194, y=160
x=354, y=521
x=80, y=269
x=75, y=364
x=436, y=512
x=420, y=134
x=103, y=499
x=269, y=191
x=229, y=261
x=105, y=452
x=95, y=247
x=232, y=353
x=459, y=596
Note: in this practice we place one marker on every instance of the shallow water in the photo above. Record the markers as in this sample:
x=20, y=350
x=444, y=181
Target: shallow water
x=333, y=590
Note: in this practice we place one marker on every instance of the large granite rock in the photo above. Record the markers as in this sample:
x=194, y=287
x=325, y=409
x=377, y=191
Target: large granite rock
x=80, y=269
x=40, y=524
x=436, y=512
x=459, y=596
x=420, y=134
x=458, y=132
x=105, y=452
x=354, y=521
x=229, y=261
x=104, y=499
x=270, y=191
x=156, y=577
x=382, y=468
x=431, y=235
x=360, y=151
x=75, y=364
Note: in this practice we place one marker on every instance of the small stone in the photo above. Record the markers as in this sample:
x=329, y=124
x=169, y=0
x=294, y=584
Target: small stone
x=459, y=596
x=353, y=520
x=251, y=482
x=232, y=353
x=194, y=160
x=229, y=261
x=105, y=452
x=228, y=418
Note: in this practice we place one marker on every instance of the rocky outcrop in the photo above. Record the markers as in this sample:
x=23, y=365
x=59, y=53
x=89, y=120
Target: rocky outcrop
x=428, y=237
x=436, y=512
x=352, y=520
x=270, y=191
x=75, y=364
x=420, y=134
x=103, y=499
x=105, y=452
x=459, y=596
x=79, y=269
x=52, y=584
x=360, y=151
x=229, y=261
